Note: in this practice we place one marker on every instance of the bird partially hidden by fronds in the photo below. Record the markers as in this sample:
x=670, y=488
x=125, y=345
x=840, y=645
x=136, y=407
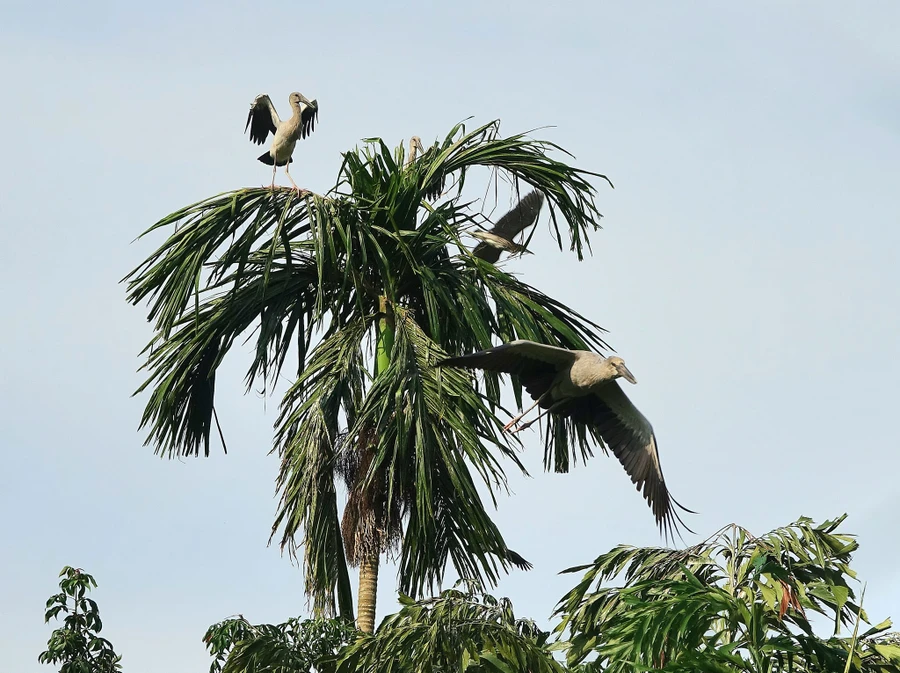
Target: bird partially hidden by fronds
x=434, y=186
x=581, y=385
x=502, y=236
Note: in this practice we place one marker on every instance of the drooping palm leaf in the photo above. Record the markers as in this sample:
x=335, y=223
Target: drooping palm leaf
x=307, y=440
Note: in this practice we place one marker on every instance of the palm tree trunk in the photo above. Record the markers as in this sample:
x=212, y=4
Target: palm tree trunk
x=368, y=592
x=368, y=565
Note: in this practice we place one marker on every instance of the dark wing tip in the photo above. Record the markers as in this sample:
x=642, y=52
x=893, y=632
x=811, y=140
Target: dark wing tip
x=308, y=118
x=669, y=520
x=259, y=119
x=517, y=560
x=521, y=216
x=533, y=199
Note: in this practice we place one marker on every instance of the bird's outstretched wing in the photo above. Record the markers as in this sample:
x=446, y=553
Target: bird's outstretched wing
x=262, y=119
x=309, y=114
x=626, y=431
x=502, y=235
x=535, y=364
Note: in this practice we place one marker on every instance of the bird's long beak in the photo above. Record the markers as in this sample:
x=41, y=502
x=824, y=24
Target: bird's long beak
x=625, y=374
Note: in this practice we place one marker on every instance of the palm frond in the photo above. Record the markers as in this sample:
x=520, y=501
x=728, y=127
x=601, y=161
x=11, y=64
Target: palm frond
x=567, y=189
x=172, y=277
x=307, y=437
x=426, y=448
x=183, y=364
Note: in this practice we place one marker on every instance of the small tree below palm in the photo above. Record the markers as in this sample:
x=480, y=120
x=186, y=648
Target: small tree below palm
x=77, y=645
x=460, y=630
x=297, y=645
x=735, y=603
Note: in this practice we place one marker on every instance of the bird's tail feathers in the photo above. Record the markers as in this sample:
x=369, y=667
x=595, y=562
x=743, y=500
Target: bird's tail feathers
x=266, y=158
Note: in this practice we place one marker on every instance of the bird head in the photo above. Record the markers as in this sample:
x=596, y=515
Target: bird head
x=297, y=99
x=415, y=143
x=621, y=370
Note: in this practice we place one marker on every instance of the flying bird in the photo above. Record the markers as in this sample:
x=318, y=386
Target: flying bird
x=581, y=385
x=263, y=120
x=502, y=236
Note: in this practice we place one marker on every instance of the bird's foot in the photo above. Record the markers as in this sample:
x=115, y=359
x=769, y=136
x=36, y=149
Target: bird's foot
x=522, y=426
x=517, y=421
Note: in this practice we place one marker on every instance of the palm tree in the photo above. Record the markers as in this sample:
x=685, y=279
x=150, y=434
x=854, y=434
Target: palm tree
x=366, y=287
x=735, y=603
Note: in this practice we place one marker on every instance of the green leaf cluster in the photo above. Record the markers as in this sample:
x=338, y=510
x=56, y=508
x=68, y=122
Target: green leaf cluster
x=77, y=645
x=735, y=602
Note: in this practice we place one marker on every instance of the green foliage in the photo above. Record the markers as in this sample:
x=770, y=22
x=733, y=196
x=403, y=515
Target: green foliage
x=735, y=602
x=314, y=276
x=460, y=630
x=77, y=645
x=295, y=646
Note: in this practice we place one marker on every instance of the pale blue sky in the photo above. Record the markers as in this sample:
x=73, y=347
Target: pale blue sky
x=747, y=273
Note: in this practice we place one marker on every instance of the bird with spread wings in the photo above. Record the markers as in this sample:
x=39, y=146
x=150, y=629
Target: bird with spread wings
x=581, y=385
x=263, y=120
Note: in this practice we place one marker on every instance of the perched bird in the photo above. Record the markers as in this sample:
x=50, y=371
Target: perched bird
x=581, y=385
x=263, y=119
x=435, y=185
x=415, y=148
x=503, y=234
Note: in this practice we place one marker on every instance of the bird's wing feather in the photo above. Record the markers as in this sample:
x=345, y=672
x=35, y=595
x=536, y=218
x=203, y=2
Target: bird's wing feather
x=309, y=114
x=535, y=364
x=520, y=217
x=510, y=356
x=629, y=435
x=262, y=119
x=517, y=560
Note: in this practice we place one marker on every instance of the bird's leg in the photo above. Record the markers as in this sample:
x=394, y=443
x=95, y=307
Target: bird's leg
x=274, y=168
x=287, y=172
x=520, y=416
x=534, y=420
